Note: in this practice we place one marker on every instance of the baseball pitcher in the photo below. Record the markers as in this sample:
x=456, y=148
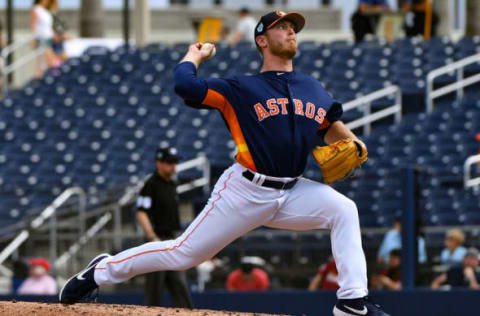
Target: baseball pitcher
x=274, y=118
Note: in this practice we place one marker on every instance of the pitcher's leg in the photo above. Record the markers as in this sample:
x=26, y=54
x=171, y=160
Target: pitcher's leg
x=348, y=252
x=226, y=216
x=313, y=205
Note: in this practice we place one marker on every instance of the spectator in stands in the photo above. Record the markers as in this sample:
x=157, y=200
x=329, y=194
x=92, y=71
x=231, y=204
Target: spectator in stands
x=60, y=29
x=42, y=28
x=249, y=277
x=454, y=252
x=466, y=275
x=393, y=240
x=390, y=278
x=420, y=19
x=157, y=214
x=245, y=28
x=204, y=271
x=326, y=277
x=39, y=282
x=365, y=19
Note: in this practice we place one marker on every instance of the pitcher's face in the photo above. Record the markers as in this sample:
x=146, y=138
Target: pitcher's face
x=282, y=40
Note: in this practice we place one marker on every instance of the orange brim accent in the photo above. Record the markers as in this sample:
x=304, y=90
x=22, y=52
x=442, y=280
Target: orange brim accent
x=297, y=18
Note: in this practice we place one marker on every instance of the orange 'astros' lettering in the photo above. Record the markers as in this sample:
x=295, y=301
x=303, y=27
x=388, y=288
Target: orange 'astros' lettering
x=261, y=112
x=283, y=102
x=273, y=107
x=310, y=110
x=320, y=115
x=298, y=107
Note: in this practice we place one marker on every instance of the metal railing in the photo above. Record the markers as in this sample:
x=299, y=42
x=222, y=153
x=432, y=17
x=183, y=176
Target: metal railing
x=365, y=101
x=457, y=10
x=114, y=210
x=468, y=181
x=49, y=213
x=457, y=86
x=6, y=70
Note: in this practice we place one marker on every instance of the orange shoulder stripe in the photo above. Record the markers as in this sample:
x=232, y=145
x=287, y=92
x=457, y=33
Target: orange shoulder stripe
x=243, y=154
x=214, y=99
x=218, y=101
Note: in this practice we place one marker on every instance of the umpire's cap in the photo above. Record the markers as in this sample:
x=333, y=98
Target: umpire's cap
x=270, y=19
x=167, y=154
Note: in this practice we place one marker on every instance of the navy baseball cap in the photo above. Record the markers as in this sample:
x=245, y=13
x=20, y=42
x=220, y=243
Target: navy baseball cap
x=167, y=154
x=270, y=19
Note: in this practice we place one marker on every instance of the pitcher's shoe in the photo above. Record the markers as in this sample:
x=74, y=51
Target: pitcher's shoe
x=358, y=307
x=82, y=284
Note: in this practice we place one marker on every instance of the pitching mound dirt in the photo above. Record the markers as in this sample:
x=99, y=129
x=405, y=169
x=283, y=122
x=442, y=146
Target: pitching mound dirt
x=15, y=308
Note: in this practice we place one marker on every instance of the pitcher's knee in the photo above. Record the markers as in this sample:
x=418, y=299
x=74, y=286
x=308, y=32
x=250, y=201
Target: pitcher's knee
x=188, y=259
x=189, y=262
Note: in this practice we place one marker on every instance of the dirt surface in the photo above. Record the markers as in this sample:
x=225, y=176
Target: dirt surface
x=14, y=308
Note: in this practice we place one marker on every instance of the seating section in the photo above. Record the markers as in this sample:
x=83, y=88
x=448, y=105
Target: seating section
x=96, y=120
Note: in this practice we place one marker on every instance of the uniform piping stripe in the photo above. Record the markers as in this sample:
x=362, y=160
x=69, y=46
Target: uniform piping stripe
x=181, y=243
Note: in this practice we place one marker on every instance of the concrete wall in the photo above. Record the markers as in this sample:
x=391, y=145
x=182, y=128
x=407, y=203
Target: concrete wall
x=172, y=25
x=178, y=20
x=441, y=8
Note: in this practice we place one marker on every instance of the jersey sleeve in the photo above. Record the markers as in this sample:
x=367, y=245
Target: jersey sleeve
x=218, y=93
x=200, y=93
x=334, y=114
x=145, y=198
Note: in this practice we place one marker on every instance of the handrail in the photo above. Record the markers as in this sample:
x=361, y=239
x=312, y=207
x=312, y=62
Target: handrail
x=368, y=118
x=456, y=86
x=14, y=46
x=6, y=70
x=458, y=11
x=92, y=231
x=47, y=213
x=467, y=168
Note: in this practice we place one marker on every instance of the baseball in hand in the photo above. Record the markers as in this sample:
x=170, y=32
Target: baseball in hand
x=206, y=47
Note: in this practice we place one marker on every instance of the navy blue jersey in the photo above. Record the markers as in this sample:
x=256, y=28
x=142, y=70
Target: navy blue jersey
x=274, y=117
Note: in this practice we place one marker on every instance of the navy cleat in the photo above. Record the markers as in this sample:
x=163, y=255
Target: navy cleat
x=358, y=307
x=82, y=284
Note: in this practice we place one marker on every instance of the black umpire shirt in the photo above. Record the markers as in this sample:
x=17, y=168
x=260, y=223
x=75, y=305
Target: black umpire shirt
x=159, y=199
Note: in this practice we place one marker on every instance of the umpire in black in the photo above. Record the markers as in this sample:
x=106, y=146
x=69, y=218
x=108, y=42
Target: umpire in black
x=158, y=216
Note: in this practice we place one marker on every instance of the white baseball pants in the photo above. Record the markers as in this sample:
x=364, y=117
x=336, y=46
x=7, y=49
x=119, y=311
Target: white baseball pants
x=237, y=206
